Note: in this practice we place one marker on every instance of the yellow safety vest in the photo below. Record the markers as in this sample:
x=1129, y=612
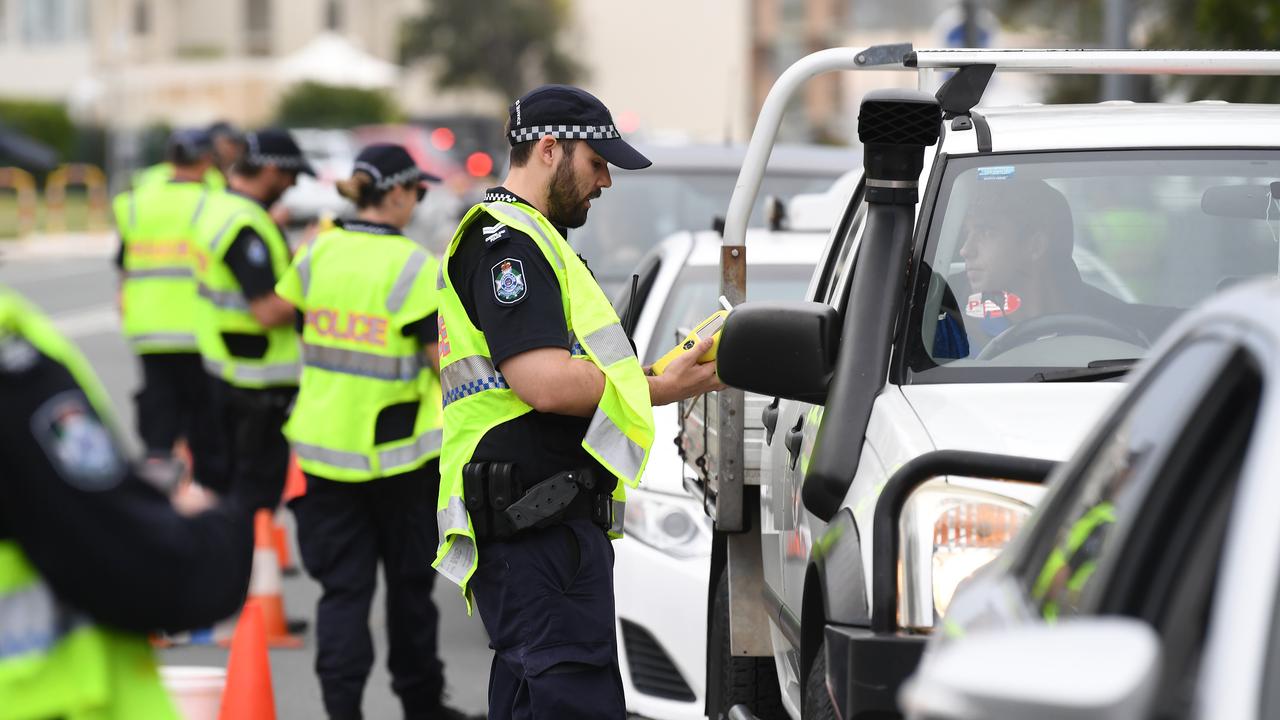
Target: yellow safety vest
x=478, y=399
x=163, y=172
x=54, y=661
x=157, y=226
x=358, y=291
x=223, y=307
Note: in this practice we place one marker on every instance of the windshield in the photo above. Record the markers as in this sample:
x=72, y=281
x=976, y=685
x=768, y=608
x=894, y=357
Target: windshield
x=1080, y=260
x=697, y=291
x=644, y=207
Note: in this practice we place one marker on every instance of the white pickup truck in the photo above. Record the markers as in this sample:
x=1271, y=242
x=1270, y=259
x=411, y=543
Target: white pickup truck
x=995, y=269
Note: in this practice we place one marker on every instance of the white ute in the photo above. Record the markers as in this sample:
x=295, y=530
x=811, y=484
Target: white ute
x=995, y=270
x=665, y=563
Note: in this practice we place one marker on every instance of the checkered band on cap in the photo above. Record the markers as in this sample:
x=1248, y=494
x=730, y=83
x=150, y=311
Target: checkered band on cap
x=564, y=132
x=406, y=175
x=254, y=156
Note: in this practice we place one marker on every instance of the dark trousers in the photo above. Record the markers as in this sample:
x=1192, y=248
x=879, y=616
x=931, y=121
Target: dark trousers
x=546, y=599
x=176, y=401
x=251, y=425
x=344, y=529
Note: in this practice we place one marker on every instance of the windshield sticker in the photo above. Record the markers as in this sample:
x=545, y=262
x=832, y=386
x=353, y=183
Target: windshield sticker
x=1000, y=172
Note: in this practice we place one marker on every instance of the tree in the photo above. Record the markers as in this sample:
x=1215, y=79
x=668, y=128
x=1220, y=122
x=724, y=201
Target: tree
x=311, y=104
x=1171, y=24
x=506, y=46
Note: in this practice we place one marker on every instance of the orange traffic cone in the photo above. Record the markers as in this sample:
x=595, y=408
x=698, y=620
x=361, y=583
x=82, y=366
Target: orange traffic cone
x=265, y=585
x=248, y=694
x=295, y=483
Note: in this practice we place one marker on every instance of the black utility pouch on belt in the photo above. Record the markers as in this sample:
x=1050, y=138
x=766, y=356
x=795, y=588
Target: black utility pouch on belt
x=500, y=506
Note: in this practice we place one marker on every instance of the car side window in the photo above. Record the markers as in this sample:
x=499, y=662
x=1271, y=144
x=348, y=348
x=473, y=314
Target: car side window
x=1100, y=503
x=839, y=260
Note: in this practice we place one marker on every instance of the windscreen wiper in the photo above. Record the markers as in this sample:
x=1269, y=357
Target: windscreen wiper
x=1096, y=370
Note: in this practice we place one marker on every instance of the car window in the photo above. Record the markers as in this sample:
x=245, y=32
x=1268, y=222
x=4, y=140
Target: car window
x=647, y=273
x=642, y=208
x=1077, y=259
x=697, y=289
x=839, y=260
x=1098, y=504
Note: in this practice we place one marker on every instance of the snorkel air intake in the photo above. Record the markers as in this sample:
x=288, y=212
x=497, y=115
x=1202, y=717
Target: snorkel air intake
x=895, y=126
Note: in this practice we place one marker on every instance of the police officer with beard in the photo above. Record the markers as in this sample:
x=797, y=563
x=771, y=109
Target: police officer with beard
x=547, y=416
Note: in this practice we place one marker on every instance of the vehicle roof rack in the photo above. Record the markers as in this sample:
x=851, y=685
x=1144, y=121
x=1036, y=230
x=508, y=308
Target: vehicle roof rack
x=925, y=62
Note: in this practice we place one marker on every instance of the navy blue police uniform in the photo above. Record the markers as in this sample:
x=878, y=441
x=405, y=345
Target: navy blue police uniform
x=545, y=594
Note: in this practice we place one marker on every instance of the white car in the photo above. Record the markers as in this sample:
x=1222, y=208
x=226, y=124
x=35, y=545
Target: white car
x=953, y=311
x=1147, y=584
x=662, y=566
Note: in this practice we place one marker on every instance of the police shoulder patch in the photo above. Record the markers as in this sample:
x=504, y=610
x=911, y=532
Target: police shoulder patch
x=509, y=286
x=494, y=233
x=77, y=444
x=256, y=252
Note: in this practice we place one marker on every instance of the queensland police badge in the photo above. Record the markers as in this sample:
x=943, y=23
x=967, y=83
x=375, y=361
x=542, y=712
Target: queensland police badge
x=508, y=281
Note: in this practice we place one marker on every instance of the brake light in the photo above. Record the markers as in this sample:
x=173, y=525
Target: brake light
x=442, y=139
x=479, y=164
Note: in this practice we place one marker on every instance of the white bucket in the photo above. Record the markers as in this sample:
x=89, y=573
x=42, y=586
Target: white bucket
x=196, y=691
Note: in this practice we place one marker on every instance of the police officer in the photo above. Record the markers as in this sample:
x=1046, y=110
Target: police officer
x=91, y=557
x=158, y=303
x=245, y=332
x=226, y=146
x=547, y=416
x=366, y=431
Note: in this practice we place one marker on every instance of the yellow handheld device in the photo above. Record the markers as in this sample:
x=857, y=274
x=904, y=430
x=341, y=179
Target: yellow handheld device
x=709, y=328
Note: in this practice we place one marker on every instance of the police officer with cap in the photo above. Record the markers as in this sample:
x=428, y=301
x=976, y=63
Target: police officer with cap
x=91, y=557
x=158, y=300
x=245, y=332
x=213, y=174
x=547, y=416
x=366, y=431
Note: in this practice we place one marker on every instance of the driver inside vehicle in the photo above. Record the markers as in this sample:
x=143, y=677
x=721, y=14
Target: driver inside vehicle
x=1017, y=240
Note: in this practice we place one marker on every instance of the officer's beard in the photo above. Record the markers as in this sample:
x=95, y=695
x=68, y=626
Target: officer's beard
x=566, y=206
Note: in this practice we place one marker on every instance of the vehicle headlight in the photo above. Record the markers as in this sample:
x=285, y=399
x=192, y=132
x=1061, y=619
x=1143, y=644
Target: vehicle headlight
x=673, y=525
x=948, y=532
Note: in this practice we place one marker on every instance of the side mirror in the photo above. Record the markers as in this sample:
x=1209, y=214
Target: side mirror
x=785, y=349
x=1103, y=668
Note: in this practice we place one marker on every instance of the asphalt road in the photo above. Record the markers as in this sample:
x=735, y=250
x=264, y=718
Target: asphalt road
x=78, y=290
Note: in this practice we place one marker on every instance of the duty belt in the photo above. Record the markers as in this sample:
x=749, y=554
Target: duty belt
x=501, y=506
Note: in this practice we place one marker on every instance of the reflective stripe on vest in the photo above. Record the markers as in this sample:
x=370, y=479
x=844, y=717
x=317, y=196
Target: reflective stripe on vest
x=224, y=299
x=616, y=449
x=329, y=456
x=32, y=620
x=468, y=376
x=425, y=445
x=284, y=372
x=168, y=339
x=404, y=281
x=166, y=272
x=355, y=362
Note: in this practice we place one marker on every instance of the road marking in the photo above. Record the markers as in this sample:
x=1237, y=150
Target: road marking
x=90, y=321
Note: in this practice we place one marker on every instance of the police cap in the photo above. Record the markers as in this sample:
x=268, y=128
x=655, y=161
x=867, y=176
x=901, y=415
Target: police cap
x=273, y=146
x=390, y=165
x=569, y=113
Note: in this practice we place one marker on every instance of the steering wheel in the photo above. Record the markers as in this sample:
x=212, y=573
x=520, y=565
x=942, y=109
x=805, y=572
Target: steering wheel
x=1059, y=324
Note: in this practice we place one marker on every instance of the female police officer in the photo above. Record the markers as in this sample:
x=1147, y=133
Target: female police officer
x=366, y=431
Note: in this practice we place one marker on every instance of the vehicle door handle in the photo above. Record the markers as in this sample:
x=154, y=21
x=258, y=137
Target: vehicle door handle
x=795, y=436
x=770, y=419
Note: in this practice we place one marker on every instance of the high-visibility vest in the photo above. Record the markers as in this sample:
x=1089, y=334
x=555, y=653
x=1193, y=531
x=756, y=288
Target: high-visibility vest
x=358, y=290
x=222, y=305
x=1064, y=557
x=478, y=399
x=156, y=225
x=54, y=661
x=163, y=173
